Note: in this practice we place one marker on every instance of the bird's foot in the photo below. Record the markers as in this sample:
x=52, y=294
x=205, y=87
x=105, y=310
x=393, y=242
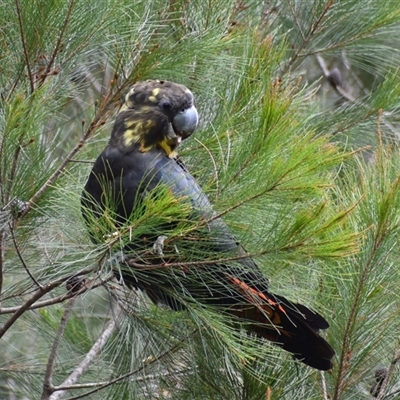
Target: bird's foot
x=158, y=245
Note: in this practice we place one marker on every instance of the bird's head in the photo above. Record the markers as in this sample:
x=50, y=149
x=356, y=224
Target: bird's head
x=155, y=114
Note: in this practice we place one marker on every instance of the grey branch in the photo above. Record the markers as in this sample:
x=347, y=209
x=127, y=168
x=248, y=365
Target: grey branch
x=90, y=356
x=335, y=79
x=48, y=387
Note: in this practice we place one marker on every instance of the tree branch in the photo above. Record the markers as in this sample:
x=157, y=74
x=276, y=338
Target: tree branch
x=142, y=368
x=36, y=296
x=61, y=298
x=2, y=253
x=26, y=54
x=306, y=39
x=48, y=387
x=57, y=47
x=393, y=363
x=53, y=177
x=323, y=383
x=21, y=258
x=335, y=79
x=90, y=356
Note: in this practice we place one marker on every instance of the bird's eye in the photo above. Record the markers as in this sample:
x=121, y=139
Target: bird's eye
x=166, y=105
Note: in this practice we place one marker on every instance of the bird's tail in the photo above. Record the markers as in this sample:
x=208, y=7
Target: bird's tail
x=292, y=326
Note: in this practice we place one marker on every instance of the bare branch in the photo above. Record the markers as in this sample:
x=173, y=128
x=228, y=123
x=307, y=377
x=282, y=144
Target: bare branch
x=3, y=236
x=389, y=373
x=53, y=177
x=90, y=356
x=306, y=39
x=61, y=298
x=323, y=384
x=174, y=374
x=21, y=258
x=36, y=296
x=26, y=55
x=48, y=387
x=142, y=368
x=334, y=78
x=57, y=47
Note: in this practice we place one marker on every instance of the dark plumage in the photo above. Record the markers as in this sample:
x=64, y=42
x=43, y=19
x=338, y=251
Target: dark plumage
x=141, y=157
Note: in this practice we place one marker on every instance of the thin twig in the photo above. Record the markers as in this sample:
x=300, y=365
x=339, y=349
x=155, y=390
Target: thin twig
x=389, y=374
x=13, y=168
x=2, y=253
x=57, y=47
x=323, y=383
x=48, y=387
x=14, y=163
x=13, y=87
x=212, y=160
x=334, y=78
x=99, y=119
x=135, y=264
x=61, y=298
x=83, y=161
x=26, y=55
x=351, y=320
x=22, y=258
x=137, y=370
x=53, y=177
x=306, y=39
x=36, y=296
x=90, y=356
x=89, y=385
x=80, y=386
x=392, y=394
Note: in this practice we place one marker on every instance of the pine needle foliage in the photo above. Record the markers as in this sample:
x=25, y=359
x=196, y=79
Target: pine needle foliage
x=297, y=150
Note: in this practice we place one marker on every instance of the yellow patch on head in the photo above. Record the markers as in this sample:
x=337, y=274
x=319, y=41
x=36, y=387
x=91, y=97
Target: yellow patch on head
x=127, y=103
x=154, y=93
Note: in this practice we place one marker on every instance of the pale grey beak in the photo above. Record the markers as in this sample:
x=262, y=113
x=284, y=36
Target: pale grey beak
x=185, y=122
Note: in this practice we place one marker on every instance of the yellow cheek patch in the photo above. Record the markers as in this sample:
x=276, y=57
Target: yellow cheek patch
x=130, y=138
x=132, y=133
x=135, y=130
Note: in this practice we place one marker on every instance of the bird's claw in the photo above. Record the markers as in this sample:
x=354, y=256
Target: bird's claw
x=158, y=245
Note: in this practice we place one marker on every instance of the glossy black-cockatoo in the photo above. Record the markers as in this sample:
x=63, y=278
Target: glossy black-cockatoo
x=140, y=161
